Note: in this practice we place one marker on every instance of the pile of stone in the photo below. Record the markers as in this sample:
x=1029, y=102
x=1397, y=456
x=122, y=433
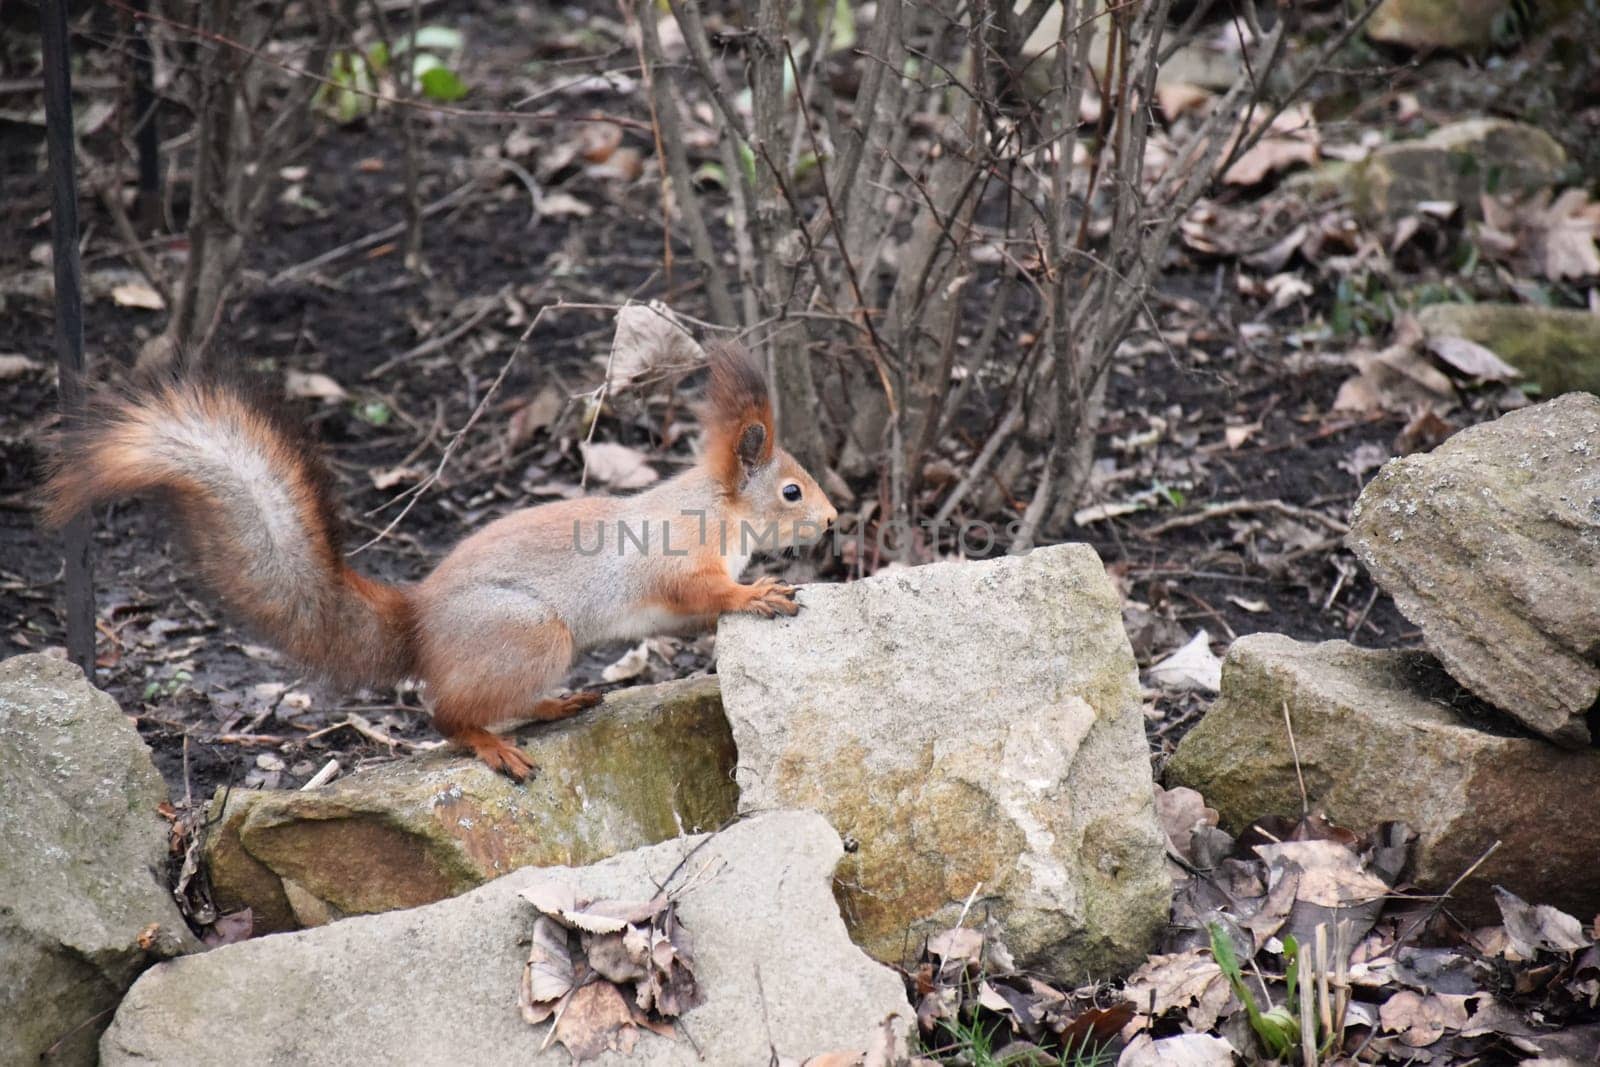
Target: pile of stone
x=960, y=741
x=1483, y=746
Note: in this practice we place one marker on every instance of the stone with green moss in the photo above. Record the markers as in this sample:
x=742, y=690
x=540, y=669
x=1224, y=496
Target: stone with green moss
x=648, y=764
x=1459, y=24
x=1455, y=163
x=1556, y=349
x=1382, y=736
x=974, y=729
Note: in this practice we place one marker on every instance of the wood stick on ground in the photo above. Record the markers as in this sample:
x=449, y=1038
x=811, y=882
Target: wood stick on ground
x=1244, y=507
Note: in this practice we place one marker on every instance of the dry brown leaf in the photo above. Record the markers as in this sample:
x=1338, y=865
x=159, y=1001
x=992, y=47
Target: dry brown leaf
x=557, y=205
x=1190, y=981
x=15, y=365
x=1420, y=1019
x=393, y=476
x=1179, y=98
x=1237, y=436
x=597, y=141
x=1554, y=238
x=137, y=295
x=1472, y=359
x=836, y=1058
x=649, y=339
x=615, y=956
x=959, y=944
x=1293, y=140
x=597, y=1019
x=537, y=414
x=631, y=664
x=617, y=465
x=1535, y=928
x=1400, y=379
x=1181, y=811
x=1184, y=1050
x=548, y=974
x=311, y=386
x=1330, y=873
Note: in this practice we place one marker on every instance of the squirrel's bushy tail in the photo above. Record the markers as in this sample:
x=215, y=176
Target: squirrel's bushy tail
x=254, y=503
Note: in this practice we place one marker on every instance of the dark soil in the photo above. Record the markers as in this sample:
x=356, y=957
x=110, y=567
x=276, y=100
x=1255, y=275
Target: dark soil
x=210, y=701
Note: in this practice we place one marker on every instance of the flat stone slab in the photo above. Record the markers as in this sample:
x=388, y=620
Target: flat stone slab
x=974, y=729
x=438, y=984
x=649, y=763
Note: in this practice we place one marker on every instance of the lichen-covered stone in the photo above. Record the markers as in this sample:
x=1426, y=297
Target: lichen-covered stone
x=1458, y=162
x=84, y=905
x=1462, y=24
x=1491, y=544
x=1557, y=349
x=1389, y=736
x=438, y=984
x=646, y=765
x=975, y=730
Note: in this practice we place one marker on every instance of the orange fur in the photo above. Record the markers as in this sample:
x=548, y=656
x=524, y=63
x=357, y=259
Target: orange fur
x=736, y=400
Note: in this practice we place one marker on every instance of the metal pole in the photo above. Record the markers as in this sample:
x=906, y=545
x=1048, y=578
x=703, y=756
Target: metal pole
x=69, y=309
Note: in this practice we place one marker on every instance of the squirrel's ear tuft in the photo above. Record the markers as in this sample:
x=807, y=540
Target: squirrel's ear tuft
x=737, y=415
x=753, y=446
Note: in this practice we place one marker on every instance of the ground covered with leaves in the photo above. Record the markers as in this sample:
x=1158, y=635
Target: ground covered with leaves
x=1277, y=369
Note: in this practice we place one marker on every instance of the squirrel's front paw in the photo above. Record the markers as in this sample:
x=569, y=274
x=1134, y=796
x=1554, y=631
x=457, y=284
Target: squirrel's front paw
x=769, y=597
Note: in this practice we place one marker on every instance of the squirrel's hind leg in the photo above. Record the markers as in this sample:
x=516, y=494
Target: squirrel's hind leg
x=490, y=676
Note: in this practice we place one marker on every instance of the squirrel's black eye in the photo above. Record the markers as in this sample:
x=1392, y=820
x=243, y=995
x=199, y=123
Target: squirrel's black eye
x=791, y=492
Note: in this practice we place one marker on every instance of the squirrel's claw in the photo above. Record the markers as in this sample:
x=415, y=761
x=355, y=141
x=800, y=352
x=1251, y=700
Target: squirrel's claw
x=498, y=754
x=769, y=597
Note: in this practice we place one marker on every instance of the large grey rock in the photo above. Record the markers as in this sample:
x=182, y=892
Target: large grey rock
x=1464, y=24
x=1388, y=735
x=1491, y=544
x=975, y=728
x=1556, y=348
x=83, y=902
x=646, y=765
x=1454, y=163
x=438, y=984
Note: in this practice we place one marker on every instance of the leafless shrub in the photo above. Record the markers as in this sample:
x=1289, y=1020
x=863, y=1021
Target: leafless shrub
x=896, y=201
x=248, y=89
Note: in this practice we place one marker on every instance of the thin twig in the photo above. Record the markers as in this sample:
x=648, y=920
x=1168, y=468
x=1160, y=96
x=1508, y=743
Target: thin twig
x=416, y=492
x=1242, y=507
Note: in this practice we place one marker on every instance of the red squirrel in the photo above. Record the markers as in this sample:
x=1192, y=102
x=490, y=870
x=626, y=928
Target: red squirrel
x=495, y=626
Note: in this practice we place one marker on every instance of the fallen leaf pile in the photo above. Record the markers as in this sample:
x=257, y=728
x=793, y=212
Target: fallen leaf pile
x=968, y=985
x=1550, y=236
x=1296, y=942
x=601, y=970
x=1300, y=941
